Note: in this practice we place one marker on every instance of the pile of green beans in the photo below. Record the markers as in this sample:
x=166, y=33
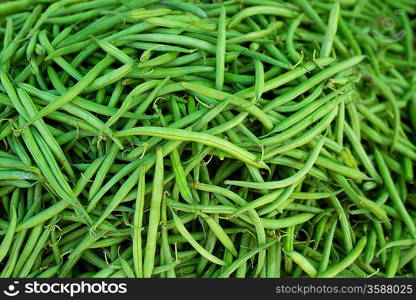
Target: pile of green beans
x=235, y=138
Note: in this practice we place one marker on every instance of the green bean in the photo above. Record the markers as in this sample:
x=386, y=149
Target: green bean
x=302, y=262
x=259, y=84
x=118, y=197
x=239, y=261
x=59, y=60
x=8, y=238
x=330, y=30
x=370, y=247
x=186, y=7
x=191, y=26
x=101, y=173
x=159, y=47
x=203, y=138
x=185, y=233
x=397, y=202
x=110, y=77
x=305, y=138
x=286, y=222
x=407, y=257
x=75, y=255
x=314, y=16
x=386, y=91
x=11, y=92
x=235, y=100
x=37, y=249
x=320, y=228
x=287, y=77
x=31, y=110
x=344, y=29
x=287, y=181
x=17, y=164
x=129, y=99
x=280, y=202
x=263, y=200
x=408, y=36
x=327, y=249
x=19, y=149
x=254, y=10
x=50, y=272
x=221, y=45
x=408, y=169
x=95, y=27
x=294, y=55
x=299, y=126
x=59, y=185
x=303, y=112
x=71, y=93
x=314, y=80
x=255, y=35
x=12, y=47
x=154, y=218
x=165, y=242
x=211, y=209
x=75, y=17
x=245, y=243
x=345, y=262
x=174, y=39
x=220, y=233
x=61, y=36
x=81, y=102
x=163, y=59
x=149, y=160
x=31, y=46
x=87, y=175
x=397, y=243
x=256, y=55
x=361, y=153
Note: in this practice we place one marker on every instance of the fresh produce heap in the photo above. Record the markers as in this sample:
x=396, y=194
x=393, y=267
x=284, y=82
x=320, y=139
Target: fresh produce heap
x=243, y=138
